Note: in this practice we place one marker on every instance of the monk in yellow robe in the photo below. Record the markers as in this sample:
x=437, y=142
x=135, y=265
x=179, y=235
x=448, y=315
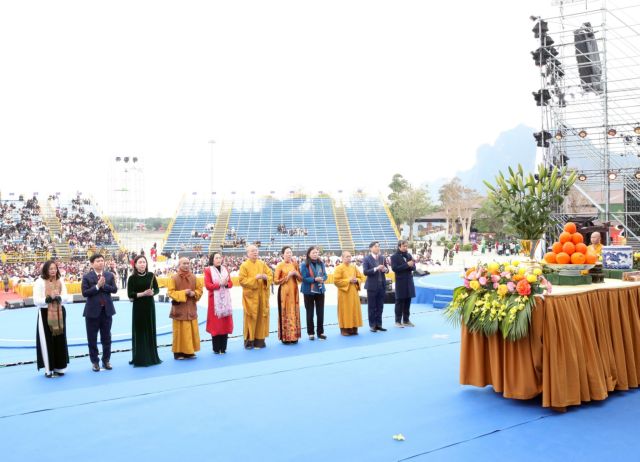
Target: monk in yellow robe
x=184, y=290
x=347, y=278
x=255, y=278
x=596, y=245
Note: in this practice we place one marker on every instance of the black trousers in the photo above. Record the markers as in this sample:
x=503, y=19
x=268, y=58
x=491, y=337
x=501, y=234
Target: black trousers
x=402, y=309
x=100, y=324
x=219, y=342
x=311, y=302
x=375, y=305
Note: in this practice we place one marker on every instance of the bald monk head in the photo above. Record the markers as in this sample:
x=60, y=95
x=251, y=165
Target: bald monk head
x=346, y=257
x=184, y=264
x=252, y=252
x=595, y=238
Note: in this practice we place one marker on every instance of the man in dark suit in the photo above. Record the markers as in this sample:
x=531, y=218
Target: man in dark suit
x=97, y=287
x=403, y=265
x=375, y=268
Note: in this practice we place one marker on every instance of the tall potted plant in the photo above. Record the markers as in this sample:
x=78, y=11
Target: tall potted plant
x=529, y=201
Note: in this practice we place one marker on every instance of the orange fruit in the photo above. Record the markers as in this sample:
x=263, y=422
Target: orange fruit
x=577, y=238
x=557, y=247
x=570, y=227
x=565, y=237
x=568, y=248
x=591, y=258
x=550, y=257
x=578, y=258
x=563, y=258
x=581, y=247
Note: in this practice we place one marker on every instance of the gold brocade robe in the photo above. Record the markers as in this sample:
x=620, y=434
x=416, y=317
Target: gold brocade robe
x=255, y=299
x=288, y=302
x=349, y=309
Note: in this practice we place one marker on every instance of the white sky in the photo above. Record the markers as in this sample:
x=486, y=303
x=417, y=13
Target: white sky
x=320, y=95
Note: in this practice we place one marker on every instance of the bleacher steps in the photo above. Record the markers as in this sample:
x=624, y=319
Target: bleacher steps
x=219, y=233
x=53, y=223
x=342, y=224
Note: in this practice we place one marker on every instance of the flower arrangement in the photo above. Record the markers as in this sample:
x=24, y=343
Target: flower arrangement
x=636, y=260
x=497, y=297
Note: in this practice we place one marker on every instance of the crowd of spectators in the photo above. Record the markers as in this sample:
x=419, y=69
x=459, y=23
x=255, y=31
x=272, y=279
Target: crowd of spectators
x=297, y=231
x=22, y=228
x=82, y=228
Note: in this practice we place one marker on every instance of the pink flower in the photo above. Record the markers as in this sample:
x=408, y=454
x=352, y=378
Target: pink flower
x=466, y=284
x=511, y=286
x=495, y=278
x=547, y=284
x=473, y=275
x=482, y=280
x=496, y=285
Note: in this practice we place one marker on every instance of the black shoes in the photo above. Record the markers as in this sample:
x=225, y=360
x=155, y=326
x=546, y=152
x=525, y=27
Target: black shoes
x=380, y=328
x=322, y=336
x=95, y=367
x=107, y=365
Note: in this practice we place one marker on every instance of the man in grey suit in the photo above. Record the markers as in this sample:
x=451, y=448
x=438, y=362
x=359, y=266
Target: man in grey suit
x=97, y=287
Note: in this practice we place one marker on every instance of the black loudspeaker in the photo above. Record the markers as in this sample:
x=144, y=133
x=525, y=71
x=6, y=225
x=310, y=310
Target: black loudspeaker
x=14, y=304
x=28, y=302
x=78, y=298
x=588, y=57
x=115, y=298
x=389, y=298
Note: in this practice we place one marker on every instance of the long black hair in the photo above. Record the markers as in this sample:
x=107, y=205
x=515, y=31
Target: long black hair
x=309, y=251
x=45, y=269
x=212, y=256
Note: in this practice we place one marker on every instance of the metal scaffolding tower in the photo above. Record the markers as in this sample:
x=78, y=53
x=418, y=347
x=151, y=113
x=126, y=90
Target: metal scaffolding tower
x=126, y=200
x=589, y=61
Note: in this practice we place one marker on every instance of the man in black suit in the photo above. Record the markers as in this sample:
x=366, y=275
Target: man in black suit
x=375, y=268
x=97, y=287
x=403, y=265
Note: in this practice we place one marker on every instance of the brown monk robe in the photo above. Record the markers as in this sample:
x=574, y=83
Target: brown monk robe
x=185, y=290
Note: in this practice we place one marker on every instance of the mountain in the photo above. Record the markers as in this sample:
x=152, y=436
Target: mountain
x=513, y=147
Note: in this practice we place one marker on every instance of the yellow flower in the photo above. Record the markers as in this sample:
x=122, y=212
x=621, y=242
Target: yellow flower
x=537, y=271
x=532, y=277
x=507, y=268
x=515, y=262
x=493, y=266
x=502, y=290
x=521, y=271
x=475, y=285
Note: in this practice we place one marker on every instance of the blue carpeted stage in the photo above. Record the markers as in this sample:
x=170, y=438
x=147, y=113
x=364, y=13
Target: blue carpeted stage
x=334, y=400
x=436, y=289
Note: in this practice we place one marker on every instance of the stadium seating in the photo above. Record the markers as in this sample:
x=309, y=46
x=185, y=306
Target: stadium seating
x=298, y=221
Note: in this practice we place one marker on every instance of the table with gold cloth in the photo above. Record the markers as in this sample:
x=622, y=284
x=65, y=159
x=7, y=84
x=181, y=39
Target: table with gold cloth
x=583, y=343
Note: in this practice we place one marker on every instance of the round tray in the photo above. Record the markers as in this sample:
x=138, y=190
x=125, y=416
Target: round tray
x=569, y=270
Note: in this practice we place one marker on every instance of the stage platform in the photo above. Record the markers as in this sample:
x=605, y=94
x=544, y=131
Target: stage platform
x=341, y=399
x=436, y=289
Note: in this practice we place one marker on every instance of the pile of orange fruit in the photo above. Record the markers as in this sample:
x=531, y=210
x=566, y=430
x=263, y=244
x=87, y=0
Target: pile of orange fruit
x=570, y=249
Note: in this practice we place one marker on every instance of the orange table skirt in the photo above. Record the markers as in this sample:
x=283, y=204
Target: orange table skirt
x=580, y=347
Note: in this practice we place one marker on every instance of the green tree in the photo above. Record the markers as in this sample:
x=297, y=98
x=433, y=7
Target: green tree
x=398, y=186
x=411, y=204
x=488, y=219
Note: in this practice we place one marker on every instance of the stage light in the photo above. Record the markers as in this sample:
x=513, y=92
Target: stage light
x=612, y=132
x=637, y=174
x=582, y=177
x=637, y=130
x=582, y=134
x=126, y=160
x=542, y=139
x=613, y=175
x=135, y=159
x=559, y=135
x=628, y=139
x=542, y=97
x=638, y=140
x=118, y=159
